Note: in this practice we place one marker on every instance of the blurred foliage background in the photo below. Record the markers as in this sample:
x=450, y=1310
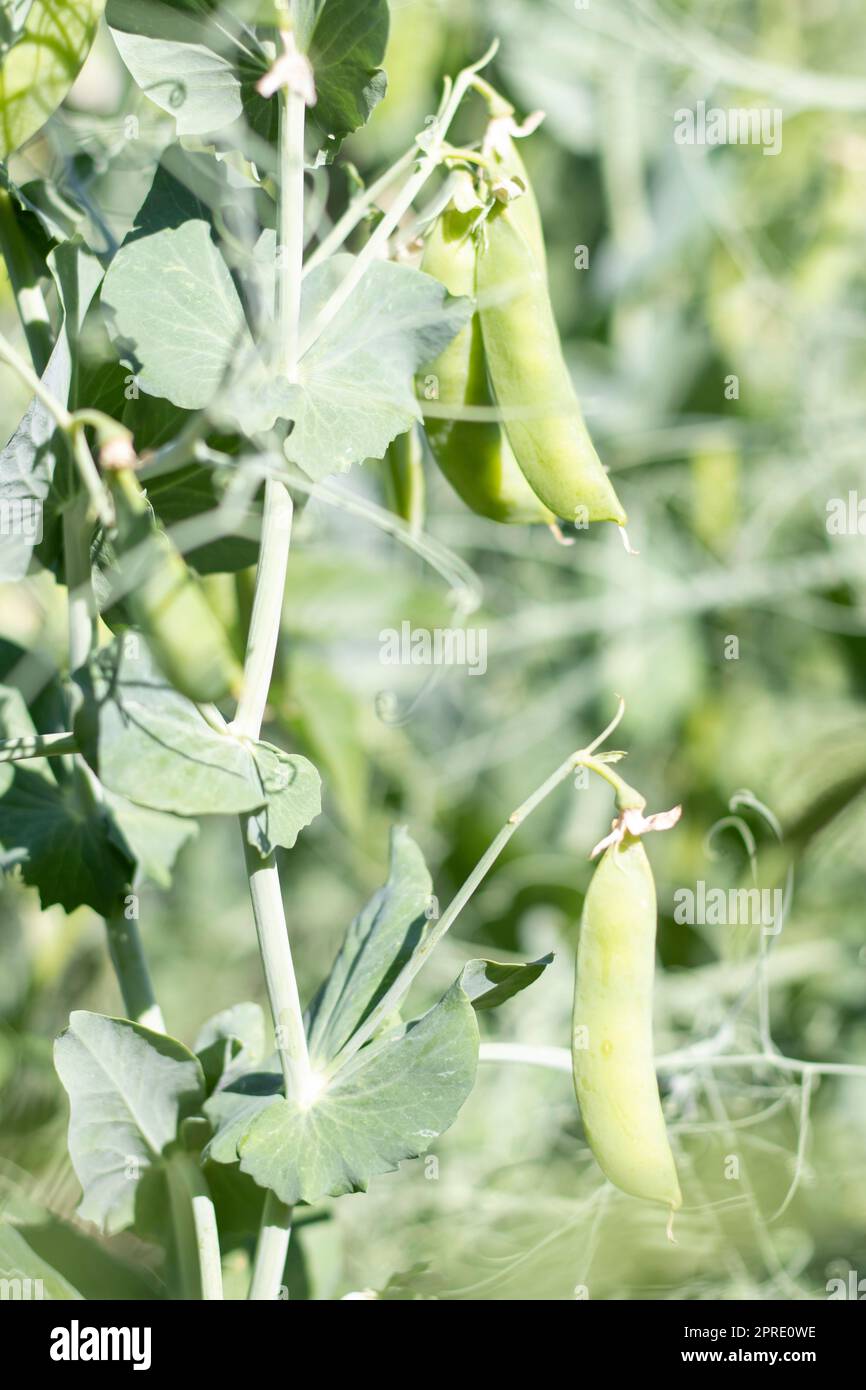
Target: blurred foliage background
x=703, y=264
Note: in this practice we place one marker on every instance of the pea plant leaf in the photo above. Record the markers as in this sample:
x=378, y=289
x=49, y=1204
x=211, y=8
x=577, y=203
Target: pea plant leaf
x=200, y=73
x=153, y=838
x=356, y=389
x=230, y=1043
x=293, y=791
x=376, y=946
x=152, y=746
x=389, y=1103
x=177, y=277
x=345, y=40
x=44, y=55
x=129, y=1091
x=29, y=461
x=489, y=983
x=57, y=837
x=395, y=1095
x=18, y=1260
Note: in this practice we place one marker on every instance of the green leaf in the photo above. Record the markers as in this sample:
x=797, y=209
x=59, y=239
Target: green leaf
x=154, y=838
x=62, y=843
x=377, y=945
x=57, y=835
x=29, y=460
x=488, y=983
x=293, y=789
x=46, y=56
x=345, y=41
x=389, y=1103
x=153, y=746
x=356, y=389
x=178, y=277
x=129, y=1090
x=231, y=1042
x=20, y=1262
x=203, y=74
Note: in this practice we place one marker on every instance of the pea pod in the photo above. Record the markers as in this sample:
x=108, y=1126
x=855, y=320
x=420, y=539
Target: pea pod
x=474, y=455
x=529, y=376
x=612, y=1039
x=404, y=479
x=165, y=601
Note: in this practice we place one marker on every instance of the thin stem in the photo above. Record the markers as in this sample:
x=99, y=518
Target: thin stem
x=25, y=372
x=133, y=976
x=195, y=1229
x=404, y=979
x=358, y=207
x=82, y=604
x=271, y=1247
x=428, y=164
x=282, y=987
x=264, y=628
x=690, y=1059
x=290, y=252
x=264, y=878
x=24, y=279
x=14, y=750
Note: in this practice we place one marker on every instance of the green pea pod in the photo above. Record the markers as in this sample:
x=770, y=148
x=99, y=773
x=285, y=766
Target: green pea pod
x=404, y=479
x=166, y=602
x=506, y=165
x=474, y=455
x=530, y=379
x=612, y=1036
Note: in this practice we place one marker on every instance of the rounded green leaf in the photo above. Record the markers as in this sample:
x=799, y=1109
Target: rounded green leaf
x=41, y=64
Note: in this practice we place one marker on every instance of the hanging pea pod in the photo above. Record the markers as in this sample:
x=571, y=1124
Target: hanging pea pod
x=612, y=1035
x=404, y=479
x=474, y=455
x=528, y=373
x=165, y=600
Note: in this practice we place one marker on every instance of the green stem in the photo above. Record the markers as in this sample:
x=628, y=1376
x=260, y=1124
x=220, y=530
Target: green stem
x=127, y=956
x=264, y=878
x=24, y=279
x=375, y=247
x=25, y=372
x=14, y=750
x=357, y=209
x=392, y=996
x=82, y=605
x=195, y=1229
x=271, y=1248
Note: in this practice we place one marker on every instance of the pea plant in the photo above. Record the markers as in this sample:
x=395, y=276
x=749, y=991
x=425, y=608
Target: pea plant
x=200, y=362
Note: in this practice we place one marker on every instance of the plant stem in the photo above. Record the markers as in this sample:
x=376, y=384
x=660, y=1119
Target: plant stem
x=133, y=976
x=14, y=750
x=13, y=359
x=82, y=604
x=264, y=878
x=23, y=277
x=271, y=1247
x=428, y=163
x=367, y=198
x=389, y=1000
x=689, y=1059
x=195, y=1229
x=290, y=251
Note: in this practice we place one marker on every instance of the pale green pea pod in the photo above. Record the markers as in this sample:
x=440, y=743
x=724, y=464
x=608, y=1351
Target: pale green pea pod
x=474, y=455
x=404, y=479
x=612, y=1036
x=184, y=635
x=530, y=380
